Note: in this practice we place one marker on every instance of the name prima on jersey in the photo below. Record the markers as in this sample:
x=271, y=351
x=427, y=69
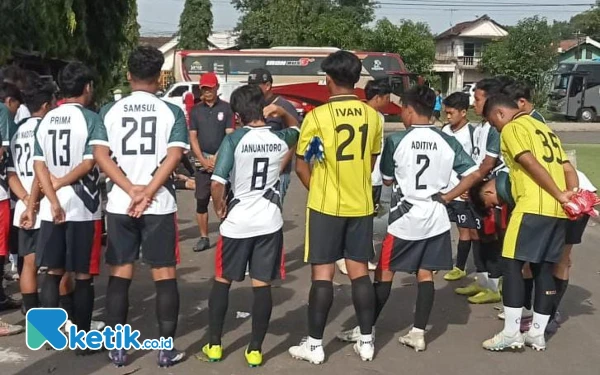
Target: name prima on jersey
x=139, y=108
x=60, y=120
x=423, y=145
x=269, y=147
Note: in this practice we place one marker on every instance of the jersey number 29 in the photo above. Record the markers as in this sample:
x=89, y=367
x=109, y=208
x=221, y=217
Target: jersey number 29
x=147, y=132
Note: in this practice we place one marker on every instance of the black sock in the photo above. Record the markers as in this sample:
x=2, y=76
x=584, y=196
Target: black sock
x=561, y=288
x=167, y=307
x=49, y=292
x=425, y=295
x=382, y=293
x=20, y=261
x=30, y=301
x=65, y=302
x=83, y=303
x=2, y=262
x=117, y=301
x=218, y=301
x=261, y=315
x=320, y=299
x=462, y=253
x=363, y=297
x=528, y=293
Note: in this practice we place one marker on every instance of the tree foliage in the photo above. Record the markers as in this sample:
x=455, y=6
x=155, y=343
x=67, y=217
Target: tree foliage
x=195, y=24
x=98, y=33
x=413, y=41
x=527, y=54
x=334, y=23
x=587, y=23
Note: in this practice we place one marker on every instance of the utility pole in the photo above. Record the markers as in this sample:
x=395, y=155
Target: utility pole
x=579, y=42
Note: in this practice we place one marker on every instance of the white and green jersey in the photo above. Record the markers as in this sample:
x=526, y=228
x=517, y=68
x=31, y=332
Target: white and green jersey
x=250, y=158
x=62, y=142
x=139, y=129
x=421, y=160
x=486, y=142
x=376, y=179
x=7, y=128
x=464, y=136
x=20, y=162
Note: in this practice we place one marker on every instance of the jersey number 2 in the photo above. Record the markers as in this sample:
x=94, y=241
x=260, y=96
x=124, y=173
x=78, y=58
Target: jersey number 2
x=64, y=137
x=351, y=133
x=259, y=173
x=22, y=151
x=425, y=159
x=147, y=132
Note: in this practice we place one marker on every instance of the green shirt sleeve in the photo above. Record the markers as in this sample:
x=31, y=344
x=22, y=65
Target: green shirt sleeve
x=6, y=125
x=179, y=132
x=93, y=121
x=100, y=135
x=289, y=136
x=492, y=146
x=387, y=164
x=226, y=156
x=37, y=149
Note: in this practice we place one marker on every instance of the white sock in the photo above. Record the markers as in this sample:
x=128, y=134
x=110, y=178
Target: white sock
x=312, y=342
x=512, y=320
x=417, y=330
x=527, y=313
x=493, y=284
x=482, y=279
x=538, y=327
x=366, y=338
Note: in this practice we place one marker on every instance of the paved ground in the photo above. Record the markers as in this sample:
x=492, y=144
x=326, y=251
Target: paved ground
x=455, y=335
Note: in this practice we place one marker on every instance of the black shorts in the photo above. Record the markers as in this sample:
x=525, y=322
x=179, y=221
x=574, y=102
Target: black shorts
x=534, y=238
x=13, y=237
x=464, y=215
x=203, y=181
x=28, y=240
x=156, y=234
x=437, y=114
x=431, y=254
x=575, y=230
x=332, y=237
x=262, y=254
x=65, y=246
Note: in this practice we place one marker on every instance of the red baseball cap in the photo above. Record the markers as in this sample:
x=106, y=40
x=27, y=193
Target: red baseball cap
x=209, y=80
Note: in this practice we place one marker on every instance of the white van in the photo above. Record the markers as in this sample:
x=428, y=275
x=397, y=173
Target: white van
x=174, y=94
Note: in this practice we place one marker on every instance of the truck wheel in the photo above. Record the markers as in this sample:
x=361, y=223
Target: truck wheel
x=587, y=115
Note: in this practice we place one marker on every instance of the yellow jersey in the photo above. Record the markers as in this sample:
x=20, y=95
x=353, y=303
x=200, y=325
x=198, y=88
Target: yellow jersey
x=526, y=134
x=351, y=133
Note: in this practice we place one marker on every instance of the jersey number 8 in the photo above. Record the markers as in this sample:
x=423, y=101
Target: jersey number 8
x=259, y=173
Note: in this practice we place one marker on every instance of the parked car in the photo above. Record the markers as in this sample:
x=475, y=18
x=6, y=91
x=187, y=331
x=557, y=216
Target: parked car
x=176, y=91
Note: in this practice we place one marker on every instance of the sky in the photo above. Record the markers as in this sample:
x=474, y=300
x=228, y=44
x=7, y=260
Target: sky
x=161, y=17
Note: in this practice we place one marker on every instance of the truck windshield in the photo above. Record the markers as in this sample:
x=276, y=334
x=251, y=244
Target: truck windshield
x=561, y=81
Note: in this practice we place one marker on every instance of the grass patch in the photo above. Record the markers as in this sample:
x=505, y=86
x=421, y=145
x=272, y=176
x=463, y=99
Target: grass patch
x=587, y=160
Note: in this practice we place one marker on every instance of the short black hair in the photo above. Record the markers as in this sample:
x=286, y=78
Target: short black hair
x=73, y=79
x=476, y=198
x=9, y=90
x=248, y=102
x=145, y=63
x=517, y=90
x=457, y=100
x=498, y=100
x=12, y=74
x=490, y=86
x=38, y=93
x=343, y=67
x=421, y=98
x=377, y=87
x=30, y=80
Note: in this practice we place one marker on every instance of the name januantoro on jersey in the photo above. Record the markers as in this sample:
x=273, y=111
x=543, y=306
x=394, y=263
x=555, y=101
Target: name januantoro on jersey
x=421, y=161
x=20, y=162
x=62, y=143
x=250, y=158
x=139, y=129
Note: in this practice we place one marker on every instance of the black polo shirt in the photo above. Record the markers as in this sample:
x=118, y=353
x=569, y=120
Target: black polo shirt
x=211, y=123
x=277, y=123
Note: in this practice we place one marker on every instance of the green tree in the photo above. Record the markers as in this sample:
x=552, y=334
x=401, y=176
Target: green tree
x=98, y=33
x=413, y=41
x=562, y=30
x=588, y=23
x=195, y=24
x=527, y=54
x=335, y=23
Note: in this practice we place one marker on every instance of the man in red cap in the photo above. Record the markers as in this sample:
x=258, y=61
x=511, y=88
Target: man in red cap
x=210, y=121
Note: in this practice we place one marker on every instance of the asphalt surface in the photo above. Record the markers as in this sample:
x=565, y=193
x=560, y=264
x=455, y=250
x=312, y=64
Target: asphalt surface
x=454, y=336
